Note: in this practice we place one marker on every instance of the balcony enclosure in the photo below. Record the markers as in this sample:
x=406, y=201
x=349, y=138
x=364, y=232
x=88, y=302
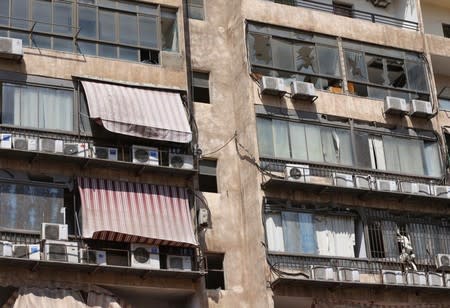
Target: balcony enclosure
x=401, y=13
x=300, y=236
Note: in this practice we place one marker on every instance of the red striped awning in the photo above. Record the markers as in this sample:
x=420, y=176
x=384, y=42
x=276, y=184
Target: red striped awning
x=134, y=212
x=138, y=112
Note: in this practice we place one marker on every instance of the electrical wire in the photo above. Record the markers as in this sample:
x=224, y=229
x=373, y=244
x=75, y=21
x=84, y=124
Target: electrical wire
x=280, y=272
x=222, y=146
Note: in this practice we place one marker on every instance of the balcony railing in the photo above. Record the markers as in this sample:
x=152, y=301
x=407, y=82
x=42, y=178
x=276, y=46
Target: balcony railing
x=372, y=17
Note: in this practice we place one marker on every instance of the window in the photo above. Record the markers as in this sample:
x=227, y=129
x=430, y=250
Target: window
x=377, y=72
x=343, y=9
x=446, y=30
x=207, y=176
x=297, y=141
x=215, y=277
x=124, y=30
x=26, y=207
x=196, y=9
x=295, y=55
x=37, y=107
x=200, y=87
x=444, y=99
x=313, y=233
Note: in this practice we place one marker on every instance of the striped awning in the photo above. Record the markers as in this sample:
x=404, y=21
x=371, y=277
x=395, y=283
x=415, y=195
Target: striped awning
x=135, y=213
x=138, y=112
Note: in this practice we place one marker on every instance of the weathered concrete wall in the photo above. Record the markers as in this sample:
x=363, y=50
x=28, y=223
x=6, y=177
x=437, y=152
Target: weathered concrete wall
x=434, y=15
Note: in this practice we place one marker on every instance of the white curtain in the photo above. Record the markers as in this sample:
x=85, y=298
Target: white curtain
x=344, y=236
x=329, y=145
x=314, y=143
x=274, y=231
x=27, y=104
x=432, y=159
x=391, y=153
x=325, y=239
x=55, y=109
x=377, y=153
x=298, y=141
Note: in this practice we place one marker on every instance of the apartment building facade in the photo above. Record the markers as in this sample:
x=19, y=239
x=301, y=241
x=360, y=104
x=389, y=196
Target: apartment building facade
x=245, y=153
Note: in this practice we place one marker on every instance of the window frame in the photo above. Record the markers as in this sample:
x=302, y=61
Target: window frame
x=140, y=48
x=201, y=86
x=446, y=30
x=198, y=6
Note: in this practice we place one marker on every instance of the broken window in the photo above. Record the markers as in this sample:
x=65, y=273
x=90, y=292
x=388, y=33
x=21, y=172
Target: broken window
x=328, y=60
x=375, y=69
x=282, y=54
x=396, y=73
x=356, y=68
x=305, y=58
x=260, y=49
x=169, y=33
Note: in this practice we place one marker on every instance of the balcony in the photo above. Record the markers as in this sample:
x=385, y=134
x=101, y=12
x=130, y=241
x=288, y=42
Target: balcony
x=327, y=244
x=364, y=184
x=85, y=152
x=396, y=17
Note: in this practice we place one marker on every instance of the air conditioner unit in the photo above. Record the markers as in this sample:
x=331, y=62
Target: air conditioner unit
x=182, y=263
x=395, y=105
x=61, y=251
x=415, y=188
x=297, y=173
x=88, y=256
x=5, y=141
x=416, y=278
x=51, y=145
x=105, y=153
x=443, y=262
x=272, y=86
x=145, y=155
x=76, y=149
x=323, y=273
x=5, y=249
x=181, y=161
x=441, y=191
x=348, y=274
x=435, y=279
x=11, y=48
x=343, y=179
x=386, y=185
x=25, y=143
x=145, y=256
x=303, y=91
x=24, y=251
x=57, y=232
x=393, y=277
x=363, y=181
x=421, y=109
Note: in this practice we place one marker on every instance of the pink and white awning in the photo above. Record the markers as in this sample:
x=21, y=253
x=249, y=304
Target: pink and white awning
x=138, y=112
x=134, y=212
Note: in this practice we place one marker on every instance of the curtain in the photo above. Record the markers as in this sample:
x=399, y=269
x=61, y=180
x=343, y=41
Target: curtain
x=360, y=240
x=281, y=139
x=330, y=145
x=389, y=232
x=432, y=159
x=391, y=154
x=55, y=109
x=298, y=141
x=345, y=147
x=343, y=230
x=274, y=231
x=27, y=110
x=324, y=235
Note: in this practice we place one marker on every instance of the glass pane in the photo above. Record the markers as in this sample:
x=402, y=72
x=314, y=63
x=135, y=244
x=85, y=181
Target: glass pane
x=195, y=12
x=4, y=11
x=305, y=58
x=417, y=78
x=126, y=6
x=396, y=73
x=329, y=60
x=330, y=144
x=19, y=14
x=298, y=141
x=41, y=41
x=432, y=159
x=22, y=36
x=148, y=9
x=444, y=104
x=62, y=18
x=28, y=113
x=63, y=44
x=274, y=231
x=87, y=48
x=128, y=32
x=281, y=139
x=108, y=51
x=87, y=21
x=391, y=154
x=375, y=92
x=362, y=150
x=314, y=143
x=42, y=13
x=410, y=154
x=291, y=232
x=169, y=33
x=355, y=66
x=128, y=54
x=358, y=89
x=265, y=137
x=9, y=99
x=107, y=3
x=260, y=51
x=148, y=31
x=200, y=79
x=345, y=155
x=55, y=102
x=375, y=69
x=107, y=26
x=282, y=54
x=85, y=123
